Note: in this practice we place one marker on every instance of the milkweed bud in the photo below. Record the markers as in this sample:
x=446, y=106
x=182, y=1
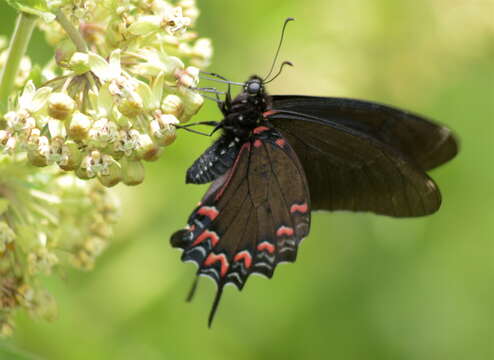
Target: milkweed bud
x=36, y=159
x=79, y=126
x=133, y=171
x=131, y=107
x=79, y=63
x=147, y=149
x=60, y=105
x=71, y=156
x=172, y=105
x=113, y=175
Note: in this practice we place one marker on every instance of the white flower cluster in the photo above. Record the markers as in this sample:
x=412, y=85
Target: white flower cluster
x=101, y=111
x=122, y=77
x=48, y=219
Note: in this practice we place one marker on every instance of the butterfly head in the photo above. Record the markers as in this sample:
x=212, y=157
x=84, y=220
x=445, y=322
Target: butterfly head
x=254, y=87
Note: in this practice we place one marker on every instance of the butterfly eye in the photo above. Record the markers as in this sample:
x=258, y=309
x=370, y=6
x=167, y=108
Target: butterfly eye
x=253, y=88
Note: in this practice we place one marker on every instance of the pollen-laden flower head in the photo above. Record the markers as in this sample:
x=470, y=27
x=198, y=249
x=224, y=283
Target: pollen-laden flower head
x=118, y=103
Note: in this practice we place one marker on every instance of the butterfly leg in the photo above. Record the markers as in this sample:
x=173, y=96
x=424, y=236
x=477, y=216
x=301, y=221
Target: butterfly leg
x=217, y=125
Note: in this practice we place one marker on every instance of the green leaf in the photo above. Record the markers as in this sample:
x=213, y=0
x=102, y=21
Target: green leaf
x=33, y=7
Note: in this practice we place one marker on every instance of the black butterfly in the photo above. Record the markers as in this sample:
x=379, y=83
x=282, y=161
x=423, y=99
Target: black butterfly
x=280, y=157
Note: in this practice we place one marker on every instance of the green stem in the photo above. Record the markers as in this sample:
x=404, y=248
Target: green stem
x=71, y=31
x=17, y=48
x=76, y=38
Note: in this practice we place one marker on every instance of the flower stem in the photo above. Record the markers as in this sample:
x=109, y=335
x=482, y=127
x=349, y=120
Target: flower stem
x=76, y=38
x=71, y=31
x=17, y=48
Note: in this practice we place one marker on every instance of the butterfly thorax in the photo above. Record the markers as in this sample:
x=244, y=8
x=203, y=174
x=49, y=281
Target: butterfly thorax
x=245, y=112
x=242, y=116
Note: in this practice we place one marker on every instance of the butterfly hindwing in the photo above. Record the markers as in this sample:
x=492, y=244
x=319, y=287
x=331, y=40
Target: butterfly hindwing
x=252, y=217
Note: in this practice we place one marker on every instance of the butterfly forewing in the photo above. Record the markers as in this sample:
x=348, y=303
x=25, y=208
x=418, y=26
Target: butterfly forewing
x=422, y=141
x=350, y=170
x=253, y=217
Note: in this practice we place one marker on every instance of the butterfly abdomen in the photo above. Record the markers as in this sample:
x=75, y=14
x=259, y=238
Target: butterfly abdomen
x=214, y=162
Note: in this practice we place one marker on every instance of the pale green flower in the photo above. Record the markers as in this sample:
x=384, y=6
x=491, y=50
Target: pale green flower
x=87, y=114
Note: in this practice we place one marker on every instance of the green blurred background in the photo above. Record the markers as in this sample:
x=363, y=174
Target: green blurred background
x=364, y=286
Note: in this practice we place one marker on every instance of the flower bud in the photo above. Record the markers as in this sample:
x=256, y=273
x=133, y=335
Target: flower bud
x=46, y=307
x=101, y=229
x=192, y=101
x=133, y=171
x=6, y=329
x=113, y=176
x=4, y=137
x=71, y=156
x=189, y=9
x=11, y=144
x=41, y=261
x=145, y=24
x=56, y=148
x=23, y=72
x=79, y=63
x=163, y=128
x=147, y=149
x=202, y=52
x=60, y=105
x=36, y=158
x=131, y=107
x=79, y=126
x=188, y=77
x=7, y=236
x=83, y=173
x=94, y=245
x=173, y=105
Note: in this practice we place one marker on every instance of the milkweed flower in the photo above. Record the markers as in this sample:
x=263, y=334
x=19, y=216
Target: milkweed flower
x=121, y=79
x=117, y=99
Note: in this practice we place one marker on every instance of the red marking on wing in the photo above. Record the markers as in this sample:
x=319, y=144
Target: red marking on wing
x=257, y=143
x=260, y=129
x=245, y=256
x=284, y=230
x=266, y=246
x=232, y=170
x=212, y=258
x=268, y=113
x=280, y=142
x=208, y=211
x=301, y=208
x=206, y=234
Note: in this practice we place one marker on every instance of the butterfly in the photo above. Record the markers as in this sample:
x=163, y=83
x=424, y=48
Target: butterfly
x=280, y=157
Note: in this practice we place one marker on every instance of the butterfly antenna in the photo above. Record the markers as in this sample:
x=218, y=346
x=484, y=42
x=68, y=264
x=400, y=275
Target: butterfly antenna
x=287, y=20
x=215, y=305
x=279, y=71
